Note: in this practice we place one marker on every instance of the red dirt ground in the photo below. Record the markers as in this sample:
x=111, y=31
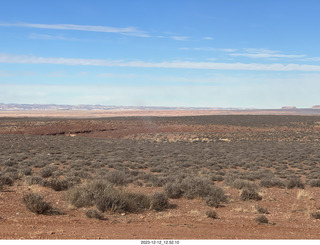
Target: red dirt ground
x=289, y=219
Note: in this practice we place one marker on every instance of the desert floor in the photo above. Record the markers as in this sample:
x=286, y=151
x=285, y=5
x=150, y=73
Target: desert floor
x=276, y=155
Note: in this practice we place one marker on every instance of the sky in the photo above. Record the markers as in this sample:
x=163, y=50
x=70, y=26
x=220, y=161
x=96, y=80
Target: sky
x=197, y=53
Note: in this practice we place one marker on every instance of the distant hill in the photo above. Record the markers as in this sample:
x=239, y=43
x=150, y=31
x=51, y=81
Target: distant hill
x=31, y=107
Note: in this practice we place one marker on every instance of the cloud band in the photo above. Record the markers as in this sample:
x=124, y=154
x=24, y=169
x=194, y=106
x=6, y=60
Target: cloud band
x=21, y=59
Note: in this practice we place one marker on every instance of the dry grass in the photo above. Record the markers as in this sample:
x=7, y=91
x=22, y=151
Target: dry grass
x=303, y=194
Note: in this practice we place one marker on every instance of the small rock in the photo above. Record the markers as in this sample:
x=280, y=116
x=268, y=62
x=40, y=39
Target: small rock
x=123, y=214
x=142, y=217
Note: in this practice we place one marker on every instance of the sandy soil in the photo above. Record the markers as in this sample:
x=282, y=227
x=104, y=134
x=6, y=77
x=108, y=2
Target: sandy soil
x=124, y=113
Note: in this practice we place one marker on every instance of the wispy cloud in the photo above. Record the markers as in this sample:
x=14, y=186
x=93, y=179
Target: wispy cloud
x=52, y=37
x=265, y=53
x=180, y=38
x=316, y=59
x=21, y=59
x=199, y=48
x=252, y=53
x=129, y=31
x=210, y=49
x=228, y=50
x=116, y=75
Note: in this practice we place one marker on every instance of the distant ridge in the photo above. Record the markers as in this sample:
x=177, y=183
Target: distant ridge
x=31, y=107
x=87, y=111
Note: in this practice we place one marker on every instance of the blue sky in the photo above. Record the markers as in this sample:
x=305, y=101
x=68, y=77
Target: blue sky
x=216, y=53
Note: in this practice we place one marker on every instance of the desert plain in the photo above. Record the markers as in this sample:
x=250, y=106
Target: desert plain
x=151, y=175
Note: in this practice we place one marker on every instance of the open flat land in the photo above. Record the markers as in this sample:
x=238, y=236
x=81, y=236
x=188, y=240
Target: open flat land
x=96, y=113
x=159, y=176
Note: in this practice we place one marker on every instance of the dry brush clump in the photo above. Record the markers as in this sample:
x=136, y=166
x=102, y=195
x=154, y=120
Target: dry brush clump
x=262, y=219
x=47, y=171
x=314, y=182
x=5, y=180
x=212, y=214
x=159, y=201
x=105, y=196
x=94, y=214
x=316, y=215
x=36, y=180
x=250, y=194
x=197, y=187
x=35, y=203
x=173, y=190
x=272, y=182
x=262, y=210
x=118, y=177
x=243, y=184
x=59, y=184
x=293, y=182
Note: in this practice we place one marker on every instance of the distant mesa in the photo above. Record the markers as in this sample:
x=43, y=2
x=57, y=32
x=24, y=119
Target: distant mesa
x=288, y=108
x=35, y=107
x=316, y=107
